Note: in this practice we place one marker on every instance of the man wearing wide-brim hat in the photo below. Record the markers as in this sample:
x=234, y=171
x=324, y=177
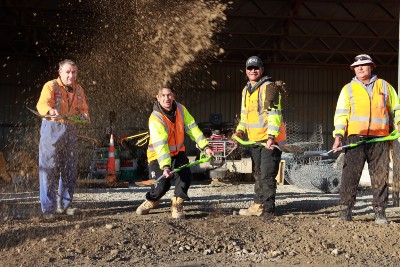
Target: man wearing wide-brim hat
x=365, y=109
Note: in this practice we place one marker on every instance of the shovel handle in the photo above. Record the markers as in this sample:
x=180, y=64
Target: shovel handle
x=247, y=143
x=190, y=164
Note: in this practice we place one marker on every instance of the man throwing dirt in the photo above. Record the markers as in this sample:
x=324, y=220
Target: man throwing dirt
x=167, y=126
x=364, y=110
x=261, y=120
x=58, y=153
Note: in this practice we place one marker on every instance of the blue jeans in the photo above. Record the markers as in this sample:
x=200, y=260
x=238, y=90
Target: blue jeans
x=58, y=161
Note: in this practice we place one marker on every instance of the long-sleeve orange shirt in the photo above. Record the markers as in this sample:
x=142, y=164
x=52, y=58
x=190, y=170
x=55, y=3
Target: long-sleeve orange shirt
x=71, y=104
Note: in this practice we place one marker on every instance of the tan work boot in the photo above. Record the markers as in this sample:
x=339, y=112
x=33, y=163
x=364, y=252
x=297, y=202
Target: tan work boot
x=255, y=209
x=177, y=208
x=146, y=206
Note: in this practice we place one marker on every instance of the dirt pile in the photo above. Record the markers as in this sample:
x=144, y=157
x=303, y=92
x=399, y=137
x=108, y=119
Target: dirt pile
x=140, y=45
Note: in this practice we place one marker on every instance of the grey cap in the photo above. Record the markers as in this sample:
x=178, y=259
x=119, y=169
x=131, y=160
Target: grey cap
x=254, y=61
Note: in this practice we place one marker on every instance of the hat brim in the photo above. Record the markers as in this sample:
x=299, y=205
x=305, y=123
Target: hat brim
x=254, y=65
x=362, y=62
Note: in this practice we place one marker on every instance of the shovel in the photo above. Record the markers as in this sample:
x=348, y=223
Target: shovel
x=150, y=182
x=75, y=119
x=289, y=148
x=247, y=143
x=323, y=153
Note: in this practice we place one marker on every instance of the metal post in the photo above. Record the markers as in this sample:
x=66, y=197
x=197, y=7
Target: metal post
x=396, y=144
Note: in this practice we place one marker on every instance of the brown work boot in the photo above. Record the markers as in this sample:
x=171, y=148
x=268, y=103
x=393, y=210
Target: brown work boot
x=177, y=208
x=255, y=209
x=146, y=206
x=345, y=213
x=380, y=216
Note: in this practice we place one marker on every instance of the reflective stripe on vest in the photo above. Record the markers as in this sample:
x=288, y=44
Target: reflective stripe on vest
x=368, y=114
x=257, y=129
x=57, y=95
x=261, y=123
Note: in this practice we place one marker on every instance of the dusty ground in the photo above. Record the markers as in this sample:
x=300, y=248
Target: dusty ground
x=305, y=231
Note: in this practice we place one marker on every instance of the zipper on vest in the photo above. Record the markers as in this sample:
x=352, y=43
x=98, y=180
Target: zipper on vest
x=370, y=113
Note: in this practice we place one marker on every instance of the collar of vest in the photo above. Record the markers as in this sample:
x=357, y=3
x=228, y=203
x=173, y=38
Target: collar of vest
x=251, y=89
x=169, y=114
x=373, y=79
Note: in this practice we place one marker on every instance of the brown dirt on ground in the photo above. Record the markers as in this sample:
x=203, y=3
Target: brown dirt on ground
x=305, y=232
x=138, y=45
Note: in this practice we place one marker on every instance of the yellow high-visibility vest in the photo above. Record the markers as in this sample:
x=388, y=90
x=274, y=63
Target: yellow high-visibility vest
x=359, y=114
x=258, y=121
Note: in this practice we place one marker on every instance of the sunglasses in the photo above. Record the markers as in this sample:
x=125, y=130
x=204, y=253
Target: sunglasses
x=253, y=68
x=358, y=58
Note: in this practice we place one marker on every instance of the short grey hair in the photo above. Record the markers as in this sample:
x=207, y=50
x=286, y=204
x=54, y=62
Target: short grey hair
x=67, y=61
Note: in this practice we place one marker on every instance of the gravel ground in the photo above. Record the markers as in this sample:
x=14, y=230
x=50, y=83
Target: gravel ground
x=305, y=232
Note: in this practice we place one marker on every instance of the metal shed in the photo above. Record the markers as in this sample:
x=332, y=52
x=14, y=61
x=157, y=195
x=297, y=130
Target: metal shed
x=308, y=44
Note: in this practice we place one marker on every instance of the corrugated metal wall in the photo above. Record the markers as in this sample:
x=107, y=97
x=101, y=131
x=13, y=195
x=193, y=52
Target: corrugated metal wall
x=312, y=94
x=312, y=97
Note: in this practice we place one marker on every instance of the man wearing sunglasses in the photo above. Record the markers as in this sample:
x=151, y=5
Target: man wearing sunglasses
x=262, y=123
x=365, y=109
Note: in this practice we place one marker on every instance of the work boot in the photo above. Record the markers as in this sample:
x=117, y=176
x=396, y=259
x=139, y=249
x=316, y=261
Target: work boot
x=59, y=209
x=345, y=213
x=255, y=209
x=66, y=210
x=267, y=215
x=177, y=208
x=72, y=211
x=380, y=216
x=48, y=216
x=146, y=206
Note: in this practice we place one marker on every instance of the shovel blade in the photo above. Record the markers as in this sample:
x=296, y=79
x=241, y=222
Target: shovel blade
x=146, y=183
x=316, y=153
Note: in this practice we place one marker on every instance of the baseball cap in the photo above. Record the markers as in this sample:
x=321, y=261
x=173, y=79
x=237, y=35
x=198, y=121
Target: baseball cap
x=362, y=59
x=254, y=61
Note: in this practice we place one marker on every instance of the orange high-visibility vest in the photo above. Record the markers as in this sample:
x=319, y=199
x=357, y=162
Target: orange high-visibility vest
x=55, y=95
x=58, y=95
x=176, y=135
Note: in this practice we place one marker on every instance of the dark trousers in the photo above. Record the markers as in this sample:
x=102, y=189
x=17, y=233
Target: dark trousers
x=266, y=167
x=182, y=179
x=377, y=157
